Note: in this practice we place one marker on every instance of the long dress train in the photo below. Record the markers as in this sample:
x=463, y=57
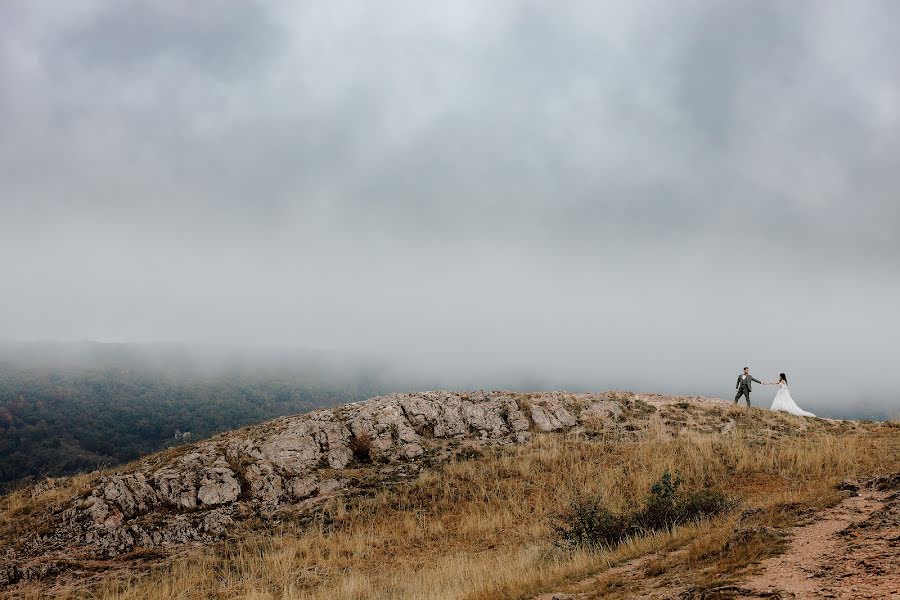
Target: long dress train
x=785, y=403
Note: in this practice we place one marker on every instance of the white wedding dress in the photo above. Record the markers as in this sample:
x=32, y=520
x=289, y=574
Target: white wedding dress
x=785, y=403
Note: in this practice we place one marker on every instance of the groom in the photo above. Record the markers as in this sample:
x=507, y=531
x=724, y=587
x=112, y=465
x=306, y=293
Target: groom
x=744, y=385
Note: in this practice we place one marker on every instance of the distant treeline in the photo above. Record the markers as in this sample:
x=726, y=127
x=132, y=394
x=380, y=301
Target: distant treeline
x=56, y=421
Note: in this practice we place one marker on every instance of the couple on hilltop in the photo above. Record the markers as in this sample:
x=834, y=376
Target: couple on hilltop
x=782, y=401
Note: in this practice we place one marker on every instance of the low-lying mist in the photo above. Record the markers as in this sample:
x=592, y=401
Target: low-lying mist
x=386, y=373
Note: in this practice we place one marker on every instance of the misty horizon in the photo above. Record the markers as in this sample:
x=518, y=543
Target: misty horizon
x=210, y=362
x=595, y=196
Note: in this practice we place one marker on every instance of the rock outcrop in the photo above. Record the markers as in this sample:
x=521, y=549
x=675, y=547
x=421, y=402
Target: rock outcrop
x=290, y=465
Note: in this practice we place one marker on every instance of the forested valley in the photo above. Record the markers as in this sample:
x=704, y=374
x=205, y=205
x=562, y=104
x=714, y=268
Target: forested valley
x=102, y=405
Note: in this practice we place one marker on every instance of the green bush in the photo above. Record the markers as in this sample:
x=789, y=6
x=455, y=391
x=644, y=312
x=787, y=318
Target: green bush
x=590, y=523
x=667, y=507
x=661, y=508
x=701, y=504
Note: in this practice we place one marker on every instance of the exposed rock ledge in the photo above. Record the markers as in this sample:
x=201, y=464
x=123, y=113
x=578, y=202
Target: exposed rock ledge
x=196, y=492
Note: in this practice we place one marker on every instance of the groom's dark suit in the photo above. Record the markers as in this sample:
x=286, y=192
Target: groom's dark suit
x=744, y=386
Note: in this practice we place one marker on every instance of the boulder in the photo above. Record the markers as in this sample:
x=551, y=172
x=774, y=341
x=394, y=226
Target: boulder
x=551, y=415
x=218, y=485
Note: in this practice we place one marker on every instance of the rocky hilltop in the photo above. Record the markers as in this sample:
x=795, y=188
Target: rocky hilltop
x=377, y=494
x=291, y=464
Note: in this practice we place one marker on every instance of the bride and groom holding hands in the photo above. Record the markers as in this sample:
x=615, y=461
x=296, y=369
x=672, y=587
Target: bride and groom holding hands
x=782, y=401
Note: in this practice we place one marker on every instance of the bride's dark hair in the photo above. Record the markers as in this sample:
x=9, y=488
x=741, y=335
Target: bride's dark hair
x=784, y=377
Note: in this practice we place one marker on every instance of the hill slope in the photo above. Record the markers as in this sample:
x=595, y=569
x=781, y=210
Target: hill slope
x=438, y=495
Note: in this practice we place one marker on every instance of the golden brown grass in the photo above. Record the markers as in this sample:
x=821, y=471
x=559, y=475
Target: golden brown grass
x=19, y=509
x=481, y=529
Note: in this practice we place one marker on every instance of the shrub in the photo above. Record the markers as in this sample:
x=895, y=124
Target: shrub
x=701, y=504
x=661, y=507
x=589, y=523
x=361, y=447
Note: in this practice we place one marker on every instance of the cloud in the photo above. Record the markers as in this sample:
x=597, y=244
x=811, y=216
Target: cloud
x=209, y=39
x=646, y=195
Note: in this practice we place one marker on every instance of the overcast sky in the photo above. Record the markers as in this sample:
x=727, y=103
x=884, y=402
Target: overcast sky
x=642, y=194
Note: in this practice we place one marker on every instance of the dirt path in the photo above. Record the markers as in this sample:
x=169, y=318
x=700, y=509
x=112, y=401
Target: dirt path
x=850, y=551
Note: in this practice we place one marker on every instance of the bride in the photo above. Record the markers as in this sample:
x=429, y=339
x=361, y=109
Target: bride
x=783, y=400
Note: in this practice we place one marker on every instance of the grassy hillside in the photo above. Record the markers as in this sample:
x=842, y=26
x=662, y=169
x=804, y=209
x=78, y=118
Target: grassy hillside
x=487, y=527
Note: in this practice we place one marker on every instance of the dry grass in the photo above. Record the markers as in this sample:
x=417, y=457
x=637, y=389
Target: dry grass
x=21, y=508
x=481, y=529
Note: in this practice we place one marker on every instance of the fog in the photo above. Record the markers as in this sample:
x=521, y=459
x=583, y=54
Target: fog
x=645, y=195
